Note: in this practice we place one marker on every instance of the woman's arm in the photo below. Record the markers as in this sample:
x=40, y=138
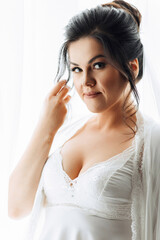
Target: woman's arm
x=24, y=180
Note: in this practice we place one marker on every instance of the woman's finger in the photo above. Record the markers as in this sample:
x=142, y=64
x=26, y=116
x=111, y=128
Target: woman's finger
x=55, y=90
x=63, y=91
x=67, y=99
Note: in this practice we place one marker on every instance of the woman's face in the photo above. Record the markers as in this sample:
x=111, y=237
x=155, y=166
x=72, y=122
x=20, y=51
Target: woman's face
x=92, y=72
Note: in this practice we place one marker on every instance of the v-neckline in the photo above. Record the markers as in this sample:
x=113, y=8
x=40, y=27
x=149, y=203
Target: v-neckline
x=105, y=161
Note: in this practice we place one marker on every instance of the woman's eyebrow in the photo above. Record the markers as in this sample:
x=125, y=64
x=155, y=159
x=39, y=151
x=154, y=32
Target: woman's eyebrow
x=91, y=60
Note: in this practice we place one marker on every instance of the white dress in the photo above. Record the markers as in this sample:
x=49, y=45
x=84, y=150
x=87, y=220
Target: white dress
x=94, y=206
x=106, y=202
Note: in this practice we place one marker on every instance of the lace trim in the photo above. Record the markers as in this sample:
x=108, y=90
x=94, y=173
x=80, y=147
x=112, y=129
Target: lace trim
x=140, y=163
x=137, y=178
x=144, y=233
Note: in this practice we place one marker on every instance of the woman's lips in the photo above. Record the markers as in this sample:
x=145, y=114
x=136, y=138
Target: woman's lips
x=92, y=95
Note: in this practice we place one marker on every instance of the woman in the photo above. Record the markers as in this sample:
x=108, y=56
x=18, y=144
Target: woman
x=102, y=182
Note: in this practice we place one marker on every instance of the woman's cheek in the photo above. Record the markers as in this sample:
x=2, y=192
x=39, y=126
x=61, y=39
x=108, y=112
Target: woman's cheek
x=108, y=84
x=77, y=85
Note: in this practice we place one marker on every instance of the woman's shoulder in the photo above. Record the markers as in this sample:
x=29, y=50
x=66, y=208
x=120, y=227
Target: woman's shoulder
x=152, y=132
x=151, y=124
x=66, y=131
x=152, y=143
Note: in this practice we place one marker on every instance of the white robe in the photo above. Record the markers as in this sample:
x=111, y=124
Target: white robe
x=145, y=209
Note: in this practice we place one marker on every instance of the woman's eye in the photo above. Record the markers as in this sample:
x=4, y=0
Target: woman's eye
x=76, y=69
x=99, y=65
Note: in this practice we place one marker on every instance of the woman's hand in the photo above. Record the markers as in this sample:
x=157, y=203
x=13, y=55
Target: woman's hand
x=54, y=107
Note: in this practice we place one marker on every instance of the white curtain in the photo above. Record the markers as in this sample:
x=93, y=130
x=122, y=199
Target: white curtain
x=31, y=33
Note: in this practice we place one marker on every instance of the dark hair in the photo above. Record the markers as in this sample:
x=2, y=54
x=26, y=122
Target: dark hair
x=116, y=26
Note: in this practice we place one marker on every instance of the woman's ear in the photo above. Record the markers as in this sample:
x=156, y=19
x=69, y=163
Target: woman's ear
x=135, y=66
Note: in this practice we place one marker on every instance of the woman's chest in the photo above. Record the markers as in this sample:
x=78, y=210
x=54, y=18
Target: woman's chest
x=107, y=181
x=87, y=149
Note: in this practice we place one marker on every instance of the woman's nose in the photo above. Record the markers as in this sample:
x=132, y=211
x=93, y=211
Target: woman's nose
x=87, y=79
